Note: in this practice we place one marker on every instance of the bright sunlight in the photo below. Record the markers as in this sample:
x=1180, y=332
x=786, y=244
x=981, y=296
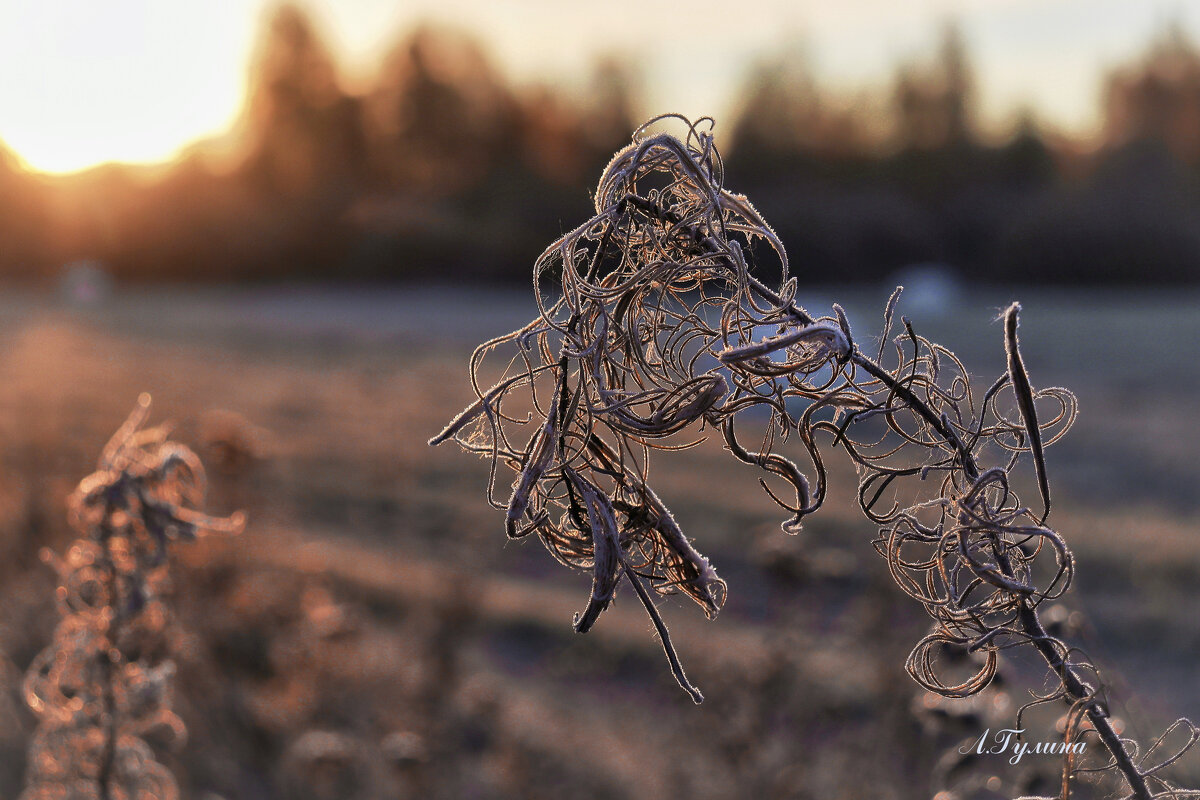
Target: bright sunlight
x=125, y=80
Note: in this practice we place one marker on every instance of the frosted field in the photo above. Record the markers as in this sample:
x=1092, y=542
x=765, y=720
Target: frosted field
x=464, y=641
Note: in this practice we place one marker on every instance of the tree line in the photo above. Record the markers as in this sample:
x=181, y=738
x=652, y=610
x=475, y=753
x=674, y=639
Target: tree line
x=441, y=167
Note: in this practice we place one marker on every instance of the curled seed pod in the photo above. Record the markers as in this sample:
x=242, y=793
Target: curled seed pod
x=605, y=544
x=539, y=455
x=696, y=576
x=823, y=339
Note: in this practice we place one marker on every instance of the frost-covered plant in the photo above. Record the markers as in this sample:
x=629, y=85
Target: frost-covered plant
x=104, y=682
x=657, y=325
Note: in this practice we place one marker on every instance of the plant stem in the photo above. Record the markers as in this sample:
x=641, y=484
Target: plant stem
x=108, y=665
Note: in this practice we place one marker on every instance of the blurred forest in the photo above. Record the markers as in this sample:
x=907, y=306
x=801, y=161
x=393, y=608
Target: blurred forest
x=442, y=167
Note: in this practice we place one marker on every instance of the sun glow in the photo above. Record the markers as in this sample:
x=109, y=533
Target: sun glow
x=83, y=83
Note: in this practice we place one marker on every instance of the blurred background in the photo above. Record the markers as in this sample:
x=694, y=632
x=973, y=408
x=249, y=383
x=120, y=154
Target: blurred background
x=1004, y=141
x=291, y=224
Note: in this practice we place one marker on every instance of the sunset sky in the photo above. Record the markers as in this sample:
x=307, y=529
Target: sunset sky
x=84, y=82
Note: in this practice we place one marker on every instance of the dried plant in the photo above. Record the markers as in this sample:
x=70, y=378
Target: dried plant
x=103, y=685
x=657, y=325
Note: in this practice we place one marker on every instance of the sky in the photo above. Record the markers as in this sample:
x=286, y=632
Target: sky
x=84, y=82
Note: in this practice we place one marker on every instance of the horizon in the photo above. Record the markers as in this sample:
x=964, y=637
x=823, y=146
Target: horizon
x=141, y=83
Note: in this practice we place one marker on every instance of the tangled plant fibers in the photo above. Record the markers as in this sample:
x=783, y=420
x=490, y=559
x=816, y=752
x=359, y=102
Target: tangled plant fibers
x=657, y=325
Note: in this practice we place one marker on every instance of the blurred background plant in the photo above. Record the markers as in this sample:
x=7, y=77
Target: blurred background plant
x=102, y=688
